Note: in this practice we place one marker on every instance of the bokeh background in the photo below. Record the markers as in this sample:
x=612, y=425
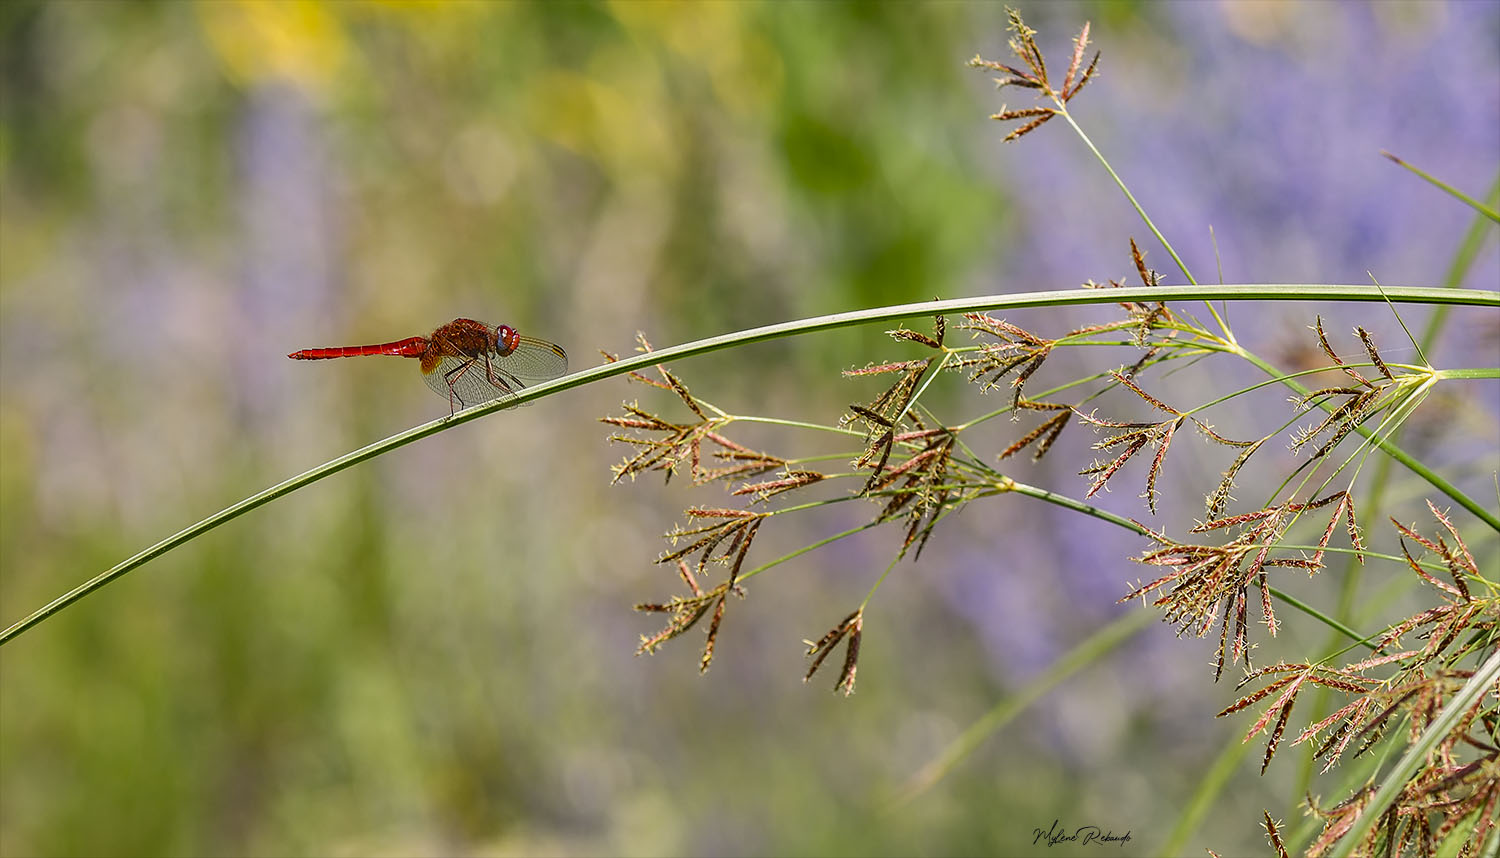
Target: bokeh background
x=432, y=653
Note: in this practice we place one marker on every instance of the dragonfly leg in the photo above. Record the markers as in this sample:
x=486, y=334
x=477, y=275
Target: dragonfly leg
x=450, y=377
x=500, y=379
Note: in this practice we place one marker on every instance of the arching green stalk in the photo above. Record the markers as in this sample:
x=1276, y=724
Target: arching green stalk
x=1070, y=297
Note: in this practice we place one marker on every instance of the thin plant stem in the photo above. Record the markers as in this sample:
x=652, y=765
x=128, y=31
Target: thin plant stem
x=813, y=546
x=1087, y=652
x=1387, y=446
x=1486, y=211
x=1151, y=225
x=1264, y=292
x=1135, y=527
x=1125, y=189
x=1207, y=793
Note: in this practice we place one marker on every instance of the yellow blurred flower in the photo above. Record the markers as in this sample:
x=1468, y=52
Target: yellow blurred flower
x=298, y=42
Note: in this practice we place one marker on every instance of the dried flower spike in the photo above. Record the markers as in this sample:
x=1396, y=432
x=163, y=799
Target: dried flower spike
x=1023, y=46
x=851, y=628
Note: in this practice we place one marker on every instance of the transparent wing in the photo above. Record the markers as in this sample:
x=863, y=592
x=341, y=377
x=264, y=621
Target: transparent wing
x=535, y=361
x=468, y=381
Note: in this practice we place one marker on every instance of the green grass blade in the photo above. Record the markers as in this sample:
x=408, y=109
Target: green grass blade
x=1478, y=206
x=1059, y=298
x=1203, y=799
x=1482, y=682
x=1093, y=648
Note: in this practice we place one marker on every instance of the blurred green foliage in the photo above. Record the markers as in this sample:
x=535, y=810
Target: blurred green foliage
x=432, y=654
x=405, y=661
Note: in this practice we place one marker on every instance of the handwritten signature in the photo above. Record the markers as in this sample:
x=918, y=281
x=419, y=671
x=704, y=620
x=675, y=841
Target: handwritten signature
x=1083, y=835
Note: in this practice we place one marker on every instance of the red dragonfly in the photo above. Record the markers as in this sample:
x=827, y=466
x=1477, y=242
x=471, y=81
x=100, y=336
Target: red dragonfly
x=468, y=362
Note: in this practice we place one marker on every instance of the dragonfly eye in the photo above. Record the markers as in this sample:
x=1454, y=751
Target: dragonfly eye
x=507, y=338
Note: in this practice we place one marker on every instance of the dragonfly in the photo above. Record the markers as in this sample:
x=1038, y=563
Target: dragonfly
x=467, y=362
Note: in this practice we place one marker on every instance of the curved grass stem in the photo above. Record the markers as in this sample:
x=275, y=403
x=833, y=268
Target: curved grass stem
x=1278, y=292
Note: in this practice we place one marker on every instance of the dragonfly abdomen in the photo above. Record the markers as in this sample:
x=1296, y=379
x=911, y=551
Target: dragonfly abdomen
x=409, y=347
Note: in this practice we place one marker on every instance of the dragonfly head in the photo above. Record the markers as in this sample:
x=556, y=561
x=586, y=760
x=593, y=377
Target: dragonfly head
x=506, y=339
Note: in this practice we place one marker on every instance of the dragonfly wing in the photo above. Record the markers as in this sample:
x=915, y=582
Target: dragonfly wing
x=535, y=361
x=465, y=381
